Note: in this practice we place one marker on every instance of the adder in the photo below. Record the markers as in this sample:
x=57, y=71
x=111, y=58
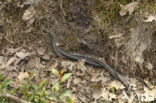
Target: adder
x=88, y=60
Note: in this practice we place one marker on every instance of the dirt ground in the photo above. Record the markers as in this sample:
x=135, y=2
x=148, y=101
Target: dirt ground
x=122, y=36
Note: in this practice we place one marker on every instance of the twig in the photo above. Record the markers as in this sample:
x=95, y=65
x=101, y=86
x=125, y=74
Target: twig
x=12, y=98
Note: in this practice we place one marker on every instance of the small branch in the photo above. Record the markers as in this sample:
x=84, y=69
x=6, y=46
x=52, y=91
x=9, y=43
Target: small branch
x=12, y=98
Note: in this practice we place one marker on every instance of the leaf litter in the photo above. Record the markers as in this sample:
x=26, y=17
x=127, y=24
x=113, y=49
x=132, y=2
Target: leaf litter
x=129, y=8
x=22, y=75
x=29, y=16
x=89, y=84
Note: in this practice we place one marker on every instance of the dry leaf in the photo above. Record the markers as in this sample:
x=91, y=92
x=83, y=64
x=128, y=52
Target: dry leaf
x=96, y=94
x=149, y=84
x=94, y=77
x=149, y=95
x=128, y=8
x=68, y=64
x=22, y=54
x=11, y=50
x=29, y=16
x=23, y=75
x=125, y=96
x=41, y=51
x=151, y=18
x=117, y=85
x=105, y=93
x=46, y=57
x=11, y=60
x=55, y=65
x=81, y=65
x=149, y=66
x=3, y=61
x=76, y=81
x=112, y=96
x=139, y=59
x=133, y=83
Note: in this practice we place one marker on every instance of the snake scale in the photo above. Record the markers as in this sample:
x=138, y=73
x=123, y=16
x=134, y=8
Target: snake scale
x=88, y=60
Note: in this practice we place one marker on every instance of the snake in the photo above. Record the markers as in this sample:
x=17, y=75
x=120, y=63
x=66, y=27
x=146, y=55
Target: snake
x=88, y=60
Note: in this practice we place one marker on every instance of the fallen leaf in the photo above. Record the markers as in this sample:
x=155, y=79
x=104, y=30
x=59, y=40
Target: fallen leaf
x=96, y=94
x=23, y=75
x=3, y=61
x=149, y=95
x=41, y=51
x=9, y=50
x=12, y=50
x=139, y=59
x=105, y=93
x=22, y=54
x=128, y=8
x=126, y=97
x=68, y=64
x=94, y=77
x=151, y=18
x=29, y=16
x=76, y=81
x=46, y=57
x=149, y=66
x=133, y=83
x=81, y=65
x=112, y=96
x=149, y=84
x=55, y=65
x=11, y=60
x=117, y=85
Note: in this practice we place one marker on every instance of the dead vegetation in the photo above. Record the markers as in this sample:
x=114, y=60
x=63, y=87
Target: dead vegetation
x=120, y=32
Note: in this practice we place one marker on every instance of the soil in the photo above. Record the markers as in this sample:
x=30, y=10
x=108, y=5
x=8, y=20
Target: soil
x=126, y=43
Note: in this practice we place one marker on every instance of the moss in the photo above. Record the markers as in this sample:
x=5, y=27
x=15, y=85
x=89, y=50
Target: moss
x=147, y=7
x=108, y=12
x=14, y=28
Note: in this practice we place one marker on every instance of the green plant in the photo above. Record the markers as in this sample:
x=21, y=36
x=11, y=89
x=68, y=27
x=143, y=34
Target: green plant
x=34, y=92
x=58, y=93
x=4, y=82
x=37, y=92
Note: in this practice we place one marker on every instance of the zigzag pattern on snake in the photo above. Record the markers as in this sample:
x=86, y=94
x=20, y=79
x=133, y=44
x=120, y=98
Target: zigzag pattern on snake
x=89, y=60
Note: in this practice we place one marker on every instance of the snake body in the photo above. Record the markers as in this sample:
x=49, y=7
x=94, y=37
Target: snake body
x=88, y=60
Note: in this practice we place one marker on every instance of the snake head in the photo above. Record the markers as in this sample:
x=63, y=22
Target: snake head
x=45, y=30
x=48, y=31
